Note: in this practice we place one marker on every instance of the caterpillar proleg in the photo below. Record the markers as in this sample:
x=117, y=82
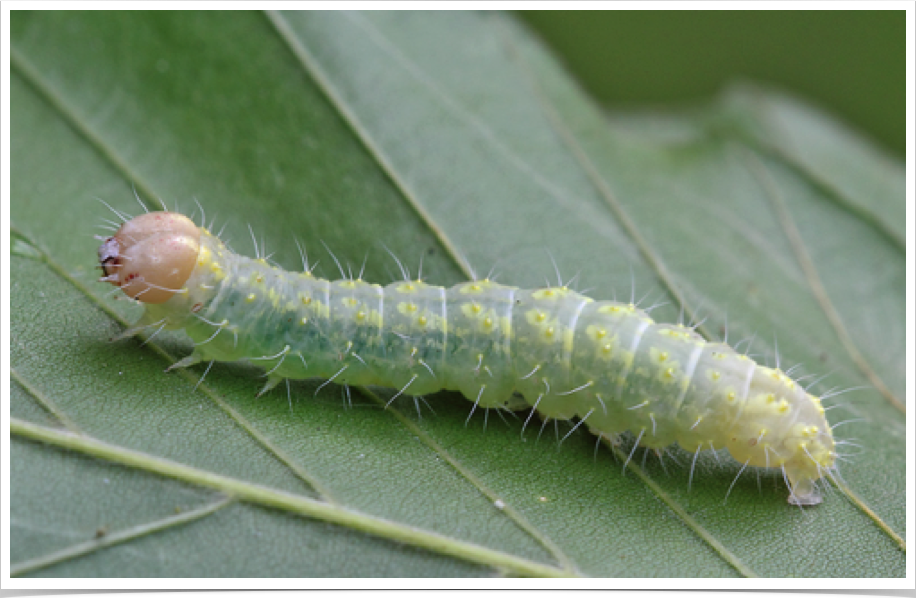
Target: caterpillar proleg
x=604, y=362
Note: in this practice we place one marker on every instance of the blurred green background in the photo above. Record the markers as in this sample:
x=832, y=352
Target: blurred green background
x=851, y=63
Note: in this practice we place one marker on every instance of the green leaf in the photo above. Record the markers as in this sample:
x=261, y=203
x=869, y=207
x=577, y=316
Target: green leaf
x=452, y=139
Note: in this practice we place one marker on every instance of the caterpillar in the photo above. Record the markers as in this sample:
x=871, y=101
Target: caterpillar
x=551, y=349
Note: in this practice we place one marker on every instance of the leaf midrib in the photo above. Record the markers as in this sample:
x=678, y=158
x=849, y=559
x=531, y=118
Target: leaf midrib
x=292, y=503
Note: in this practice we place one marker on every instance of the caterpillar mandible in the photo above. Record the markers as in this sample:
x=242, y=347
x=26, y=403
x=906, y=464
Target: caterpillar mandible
x=606, y=363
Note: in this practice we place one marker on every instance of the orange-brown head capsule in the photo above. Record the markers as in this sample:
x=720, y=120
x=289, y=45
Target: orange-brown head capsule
x=151, y=256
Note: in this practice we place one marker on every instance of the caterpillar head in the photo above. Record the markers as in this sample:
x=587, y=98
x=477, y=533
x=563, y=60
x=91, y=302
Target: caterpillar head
x=151, y=256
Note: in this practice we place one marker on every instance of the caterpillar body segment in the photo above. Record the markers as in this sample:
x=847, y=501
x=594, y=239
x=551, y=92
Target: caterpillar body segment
x=607, y=363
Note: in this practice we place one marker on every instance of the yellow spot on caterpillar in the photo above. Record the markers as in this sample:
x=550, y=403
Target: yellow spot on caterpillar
x=817, y=404
x=549, y=332
x=713, y=375
x=360, y=315
x=422, y=320
x=612, y=309
x=203, y=257
x=261, y=260
x=668, y=375
x=406, y=308
x=305, y=300
x=732, y=396
x=770, y=399
x=471, y=310
x=488, y=323
x=258, y=277
x=550, y=293
x=251, y=297
x=304, y=321
x=783, y=406
x=536, y=317
x=351, y=301
x=657, y=355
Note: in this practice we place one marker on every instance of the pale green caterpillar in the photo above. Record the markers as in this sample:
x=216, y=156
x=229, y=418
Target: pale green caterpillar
x=603, y=362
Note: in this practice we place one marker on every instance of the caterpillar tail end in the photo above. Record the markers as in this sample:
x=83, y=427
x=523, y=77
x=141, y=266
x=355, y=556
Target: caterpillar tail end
x=809, y=499
x=802, y=489
x=814, y=458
